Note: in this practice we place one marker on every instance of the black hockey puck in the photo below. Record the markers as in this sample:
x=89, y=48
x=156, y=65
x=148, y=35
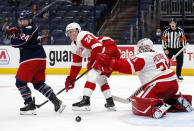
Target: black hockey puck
x=78, y=118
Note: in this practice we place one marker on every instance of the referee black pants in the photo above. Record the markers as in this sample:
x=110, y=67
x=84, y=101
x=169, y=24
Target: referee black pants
x=179, y=59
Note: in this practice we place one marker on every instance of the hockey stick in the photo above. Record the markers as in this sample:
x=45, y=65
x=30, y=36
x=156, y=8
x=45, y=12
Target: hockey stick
x=174, y=56
x=38, y=106
x=127, y=100
x=49, y=5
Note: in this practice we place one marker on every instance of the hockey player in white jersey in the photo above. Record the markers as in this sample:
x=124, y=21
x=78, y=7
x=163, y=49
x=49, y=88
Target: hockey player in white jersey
x=85, y=44
x=159, y=83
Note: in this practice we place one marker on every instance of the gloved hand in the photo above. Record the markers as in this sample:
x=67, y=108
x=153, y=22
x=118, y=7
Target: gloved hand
x=90, y=63
x=68, y=85
x=13, y=30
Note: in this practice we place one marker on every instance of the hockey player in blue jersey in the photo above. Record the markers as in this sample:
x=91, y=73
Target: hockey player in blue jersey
x=32, y=63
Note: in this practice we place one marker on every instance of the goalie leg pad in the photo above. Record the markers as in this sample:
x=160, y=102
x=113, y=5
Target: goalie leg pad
x=149, y=107
x=180, y=103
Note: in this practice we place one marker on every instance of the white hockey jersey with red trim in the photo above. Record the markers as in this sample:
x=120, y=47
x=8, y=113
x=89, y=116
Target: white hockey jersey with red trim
x=156, y=65
x=84, y=44
x=150, y=67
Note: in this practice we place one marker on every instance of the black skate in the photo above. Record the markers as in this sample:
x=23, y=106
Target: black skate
x=29, y=109
x=83, y=105
x=58, y=105
x=110, y=104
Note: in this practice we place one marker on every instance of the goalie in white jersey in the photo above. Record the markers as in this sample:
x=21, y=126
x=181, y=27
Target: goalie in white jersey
x=85, y=44
x=159, y=83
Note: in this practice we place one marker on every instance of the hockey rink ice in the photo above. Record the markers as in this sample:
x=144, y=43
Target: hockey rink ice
x=98, y=119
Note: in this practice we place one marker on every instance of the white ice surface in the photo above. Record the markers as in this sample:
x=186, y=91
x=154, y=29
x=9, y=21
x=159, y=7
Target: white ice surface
x=95, y=120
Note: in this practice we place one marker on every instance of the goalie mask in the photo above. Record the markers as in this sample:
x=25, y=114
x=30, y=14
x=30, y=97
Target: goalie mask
x=144, y=45
x=72, y=26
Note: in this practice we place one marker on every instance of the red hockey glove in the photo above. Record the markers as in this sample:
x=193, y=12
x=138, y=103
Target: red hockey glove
x=13, y=30
x=90, y=63
x=68, y=85
x=103, y=63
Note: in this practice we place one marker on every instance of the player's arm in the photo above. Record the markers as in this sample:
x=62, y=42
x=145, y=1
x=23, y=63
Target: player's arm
x=21, y=39
x=165, y=41
x=128, y=66
x=75, y=69
x=75, y=66
x=90, y=42
x=182, y=38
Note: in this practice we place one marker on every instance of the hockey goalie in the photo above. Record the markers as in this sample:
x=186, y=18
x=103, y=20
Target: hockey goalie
x=159, y=83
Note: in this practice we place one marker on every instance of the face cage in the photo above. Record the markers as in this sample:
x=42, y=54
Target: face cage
x=142, y=49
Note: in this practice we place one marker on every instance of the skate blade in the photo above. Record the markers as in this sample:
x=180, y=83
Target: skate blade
x=31, y=112
x=111, y=109
x=84, y=108
x=61, y=108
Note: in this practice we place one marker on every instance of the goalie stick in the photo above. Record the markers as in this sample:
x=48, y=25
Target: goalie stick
x=38, y=106
x=174, y=56
x=127, y=100
x=49, y=5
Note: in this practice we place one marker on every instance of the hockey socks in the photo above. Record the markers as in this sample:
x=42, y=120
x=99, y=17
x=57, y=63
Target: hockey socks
x=44, y=89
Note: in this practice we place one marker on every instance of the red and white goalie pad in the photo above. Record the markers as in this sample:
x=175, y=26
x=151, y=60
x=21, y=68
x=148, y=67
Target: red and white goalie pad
x=146, y=106
x=180, y=103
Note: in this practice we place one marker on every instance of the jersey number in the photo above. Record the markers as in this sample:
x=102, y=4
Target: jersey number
x=24, y=37
x=162, y=65
x=88, y=39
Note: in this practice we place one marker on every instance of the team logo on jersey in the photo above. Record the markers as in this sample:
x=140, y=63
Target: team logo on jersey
x=4, y=57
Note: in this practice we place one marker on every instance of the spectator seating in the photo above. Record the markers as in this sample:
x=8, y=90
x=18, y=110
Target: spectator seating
x=64, y=13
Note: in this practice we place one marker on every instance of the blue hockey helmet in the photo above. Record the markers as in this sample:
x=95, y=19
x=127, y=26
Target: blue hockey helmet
x=26, y=14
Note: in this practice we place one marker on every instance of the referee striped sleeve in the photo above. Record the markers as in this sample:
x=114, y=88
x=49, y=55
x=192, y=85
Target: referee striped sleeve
x=164, y=40
x=183, y=38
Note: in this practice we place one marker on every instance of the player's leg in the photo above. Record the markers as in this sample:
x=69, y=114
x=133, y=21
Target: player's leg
x=160, y=91
x=24, y=75
x=40, y=85
x=102, y=81
x=26, y=95
x=151, y=107
x=89, y=88
x=179, y=65
x=180, y=103
x=171, y=53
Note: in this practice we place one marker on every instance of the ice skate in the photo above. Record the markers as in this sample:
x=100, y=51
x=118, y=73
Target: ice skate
x=110, y=104
x=83, y=105
x=185, y=104
x=29, y=109
x=58, y=104
x=161, y=110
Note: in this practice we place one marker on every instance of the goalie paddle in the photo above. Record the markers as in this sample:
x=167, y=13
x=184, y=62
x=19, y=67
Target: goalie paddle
x=38, y=106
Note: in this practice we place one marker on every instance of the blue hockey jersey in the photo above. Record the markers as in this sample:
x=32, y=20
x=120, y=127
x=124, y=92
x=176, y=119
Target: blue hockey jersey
x=28, y=43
